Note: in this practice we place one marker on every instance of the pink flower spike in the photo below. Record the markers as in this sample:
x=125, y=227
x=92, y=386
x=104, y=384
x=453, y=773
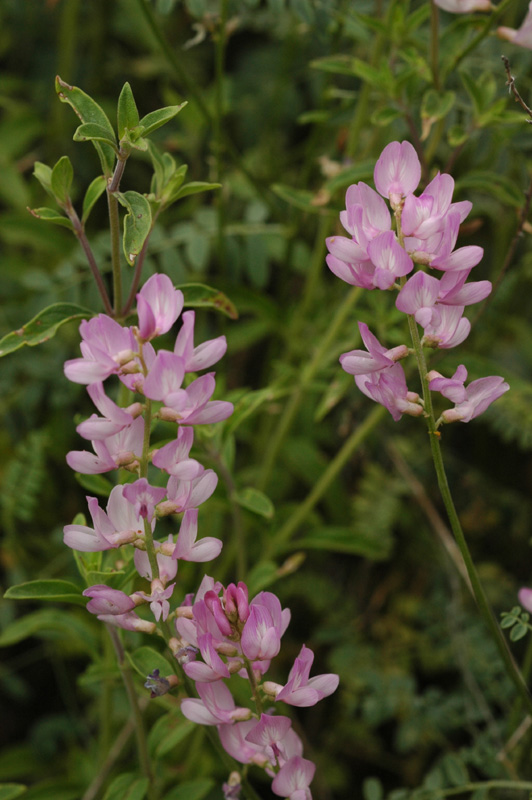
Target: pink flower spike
x=294, y=778
x=525, y=598
x=204, y=355
x=143, y=497
x=397, y=172
x=158, y=306
x=302, y=691
x=187, y=548
x=107, y=601
x=390, y=260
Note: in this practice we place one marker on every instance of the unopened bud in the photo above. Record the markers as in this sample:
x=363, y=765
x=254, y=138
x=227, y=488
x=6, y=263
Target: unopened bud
x=159, y=685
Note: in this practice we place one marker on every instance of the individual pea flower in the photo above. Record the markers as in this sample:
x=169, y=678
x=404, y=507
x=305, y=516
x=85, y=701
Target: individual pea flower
x=397, y=172
x=377, y=358
x=158, y=306
x=216, y=705
x=158, y=599
x=122, y=449
x=471, y=400
x=144, y=498
x=523, y=35
x=300, y=689
x=294, y=778
x=114, y=418
x=525, y=598
x=389, y=388
x=205, y=354
x=107, y=348
x=112, y=529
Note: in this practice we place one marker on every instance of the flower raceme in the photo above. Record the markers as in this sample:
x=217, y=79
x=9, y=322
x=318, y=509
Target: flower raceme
x=377, y=256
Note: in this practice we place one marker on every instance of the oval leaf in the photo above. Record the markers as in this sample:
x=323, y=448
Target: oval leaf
x=50, y=215
x=137, y=223
x=145, y=659
x=43, y=326
x=89, y=111
x=95, y=190
x=127, y=787
x=61, y=179
x=157, y=119
x=197, y=295
x=255, y=501
x=9, y=791
x=91, y=132
x=127, y=114
x=57, y=590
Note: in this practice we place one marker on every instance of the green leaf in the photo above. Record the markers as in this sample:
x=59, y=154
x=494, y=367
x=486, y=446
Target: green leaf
x=61, y=179
x=91, y=132
x=338, y=539
x=255, y=501
x=262, y=575
x=43, y=173
x=127, y=113
x=372, y=789
x=137, y=223
x=51, y=623
x=90, y=112
x=54, y=790
x=51, y=215
x=156, y=119
x=198, y=295
x=128, y=786
x=191, y=790
x=339, y=64
x=454, y=770
x=498, y=186
x=167, y=733
x=508, y=620
x=436, y=105
x=57, y=590
x=96, y=189
x=9, y=791
x=94, y=483
x=146, y=659
x=194, y=187
x=43, y=326
x=300, y=198
x=518, y=631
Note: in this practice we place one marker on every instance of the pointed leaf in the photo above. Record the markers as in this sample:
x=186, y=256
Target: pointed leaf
x=61, y=179
x=191, y=790
x=156, y=119
x=255, y=501
x=43, y=326
x=56, y=590
x=43, y=173
x=127, y=114
x=89, y=111
x=55, y=623
x=145, y=659
x=137, y=223
x=172, y=185
x=197, y=295
x=128, y=786
x=9, y=791
x=194, y=187
x=95, y=190
x=90, y=131
x=51, y=215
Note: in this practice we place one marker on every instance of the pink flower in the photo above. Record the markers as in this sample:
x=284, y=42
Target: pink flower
x=212, y=668
x=119, y=526
x=389, y=388
x=300, y=690
x=158, y=306
x=350, y=262
x=525, y=598
x=294, y=778
x=205, y=354
x=235, y=742
x=390, y=259
x=106, y=347
x=215, y=706
x=114, y=418
x=425, y=215
x=187, y=548
x=107, y=601
x=174, y=457
x=275, y=737
x=167, y=565
x=451, y=388
x=185, y=494
x=261, y=636
x=358, y=362
x=523, y=35
x=130, y=621
x=143, y=497
x=397, y=172
x=158, y=599
x=119, y=450
x=479, y=395
x=448, y=328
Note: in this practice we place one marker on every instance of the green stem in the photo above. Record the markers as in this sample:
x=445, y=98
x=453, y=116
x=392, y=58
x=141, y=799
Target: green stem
x=79, y=230
x=279, y=541
x=114, y=224
x=307, y=375
x=143, y=473
x=478, y=589
x=142, y=745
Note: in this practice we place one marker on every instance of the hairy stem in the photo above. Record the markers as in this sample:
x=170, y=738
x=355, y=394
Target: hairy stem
x=114, y=225
x=79, y=230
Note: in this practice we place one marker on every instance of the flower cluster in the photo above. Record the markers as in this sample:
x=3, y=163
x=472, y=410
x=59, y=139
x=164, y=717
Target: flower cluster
x=120, y=437
x=379, y=257
x=222, y=633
